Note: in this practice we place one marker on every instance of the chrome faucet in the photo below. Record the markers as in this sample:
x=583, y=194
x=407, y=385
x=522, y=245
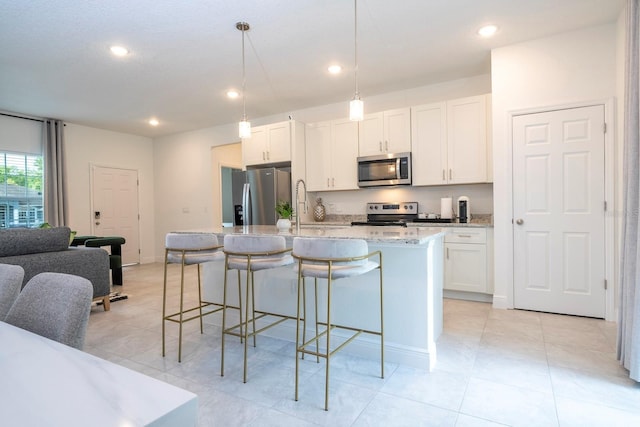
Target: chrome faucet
x=304, y=203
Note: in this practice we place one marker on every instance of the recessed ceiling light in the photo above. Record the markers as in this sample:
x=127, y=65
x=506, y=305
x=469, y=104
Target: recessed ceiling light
x=119, y=50
x=233, y=94
x=335, y=69
x=154, y=122
x=487, y=30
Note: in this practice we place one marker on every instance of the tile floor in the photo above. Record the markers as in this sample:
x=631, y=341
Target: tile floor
x=495, y=367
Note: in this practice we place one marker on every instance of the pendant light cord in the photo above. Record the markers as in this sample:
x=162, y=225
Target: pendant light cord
x=244, y=77
x=355, y=37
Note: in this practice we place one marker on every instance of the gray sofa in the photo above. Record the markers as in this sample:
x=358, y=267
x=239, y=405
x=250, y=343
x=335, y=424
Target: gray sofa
x=47, y=249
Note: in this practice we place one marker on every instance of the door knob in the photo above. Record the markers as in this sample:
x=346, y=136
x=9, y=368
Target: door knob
x=519, y=221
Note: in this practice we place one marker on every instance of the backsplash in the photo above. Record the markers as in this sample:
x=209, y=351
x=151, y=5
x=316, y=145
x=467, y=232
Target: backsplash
x=347, y=219
x=352, y=203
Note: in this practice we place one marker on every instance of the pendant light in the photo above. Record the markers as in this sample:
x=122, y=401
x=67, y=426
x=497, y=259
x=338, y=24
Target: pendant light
x=244, y=127
x=356, y=107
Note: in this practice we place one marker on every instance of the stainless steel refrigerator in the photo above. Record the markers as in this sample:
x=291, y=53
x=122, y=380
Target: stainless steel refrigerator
x=255, y=194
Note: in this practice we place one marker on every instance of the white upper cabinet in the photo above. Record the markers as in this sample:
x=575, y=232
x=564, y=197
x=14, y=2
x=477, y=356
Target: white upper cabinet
x=449, y=141
x=467, y=140
x=331, y=155
x=429, y=136
x=268, y=144
x=385, y=132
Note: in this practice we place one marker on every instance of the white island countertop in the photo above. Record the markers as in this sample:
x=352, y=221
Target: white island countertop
x=372, y=234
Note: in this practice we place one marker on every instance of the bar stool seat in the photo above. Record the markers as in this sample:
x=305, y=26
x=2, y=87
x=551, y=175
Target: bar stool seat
x=188, y=249
x=251, y=253
x=331, y=259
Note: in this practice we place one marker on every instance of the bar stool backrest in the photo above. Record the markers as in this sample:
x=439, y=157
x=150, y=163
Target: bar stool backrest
x=312, y=247
x=246, y=244
x=197, y=247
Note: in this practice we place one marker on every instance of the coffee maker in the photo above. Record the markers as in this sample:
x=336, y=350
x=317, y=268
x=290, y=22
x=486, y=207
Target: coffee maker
x=463, y=209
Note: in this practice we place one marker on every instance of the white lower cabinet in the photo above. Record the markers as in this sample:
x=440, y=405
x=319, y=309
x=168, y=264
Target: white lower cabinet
x=466, y=260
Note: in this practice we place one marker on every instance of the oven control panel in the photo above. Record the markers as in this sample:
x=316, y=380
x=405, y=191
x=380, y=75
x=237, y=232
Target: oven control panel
x=396, y=208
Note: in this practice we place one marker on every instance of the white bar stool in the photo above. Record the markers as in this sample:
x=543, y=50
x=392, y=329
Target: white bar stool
x=331, y=259
x=188, y=249
x=251, y=253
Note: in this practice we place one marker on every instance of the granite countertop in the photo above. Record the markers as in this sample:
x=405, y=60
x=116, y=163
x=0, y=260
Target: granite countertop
x=479, y=220
x=395, y=235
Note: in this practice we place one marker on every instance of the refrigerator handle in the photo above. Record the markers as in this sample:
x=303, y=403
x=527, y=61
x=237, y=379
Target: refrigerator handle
x=246, y=209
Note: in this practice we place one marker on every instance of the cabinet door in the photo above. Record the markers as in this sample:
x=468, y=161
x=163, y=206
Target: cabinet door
x=254, y=149
x=465, y=267
x=371, y=134
x=467, y=140
x=279, y=140
x=397, y=131
x=318, y=156
x=429, y=144
x=344, y=155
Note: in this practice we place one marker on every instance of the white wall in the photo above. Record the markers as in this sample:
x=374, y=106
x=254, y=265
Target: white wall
x=564, y=69
x=87, y=146
x=183, y=180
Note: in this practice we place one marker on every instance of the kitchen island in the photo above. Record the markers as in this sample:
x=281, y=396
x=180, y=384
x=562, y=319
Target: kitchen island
x=412, y=275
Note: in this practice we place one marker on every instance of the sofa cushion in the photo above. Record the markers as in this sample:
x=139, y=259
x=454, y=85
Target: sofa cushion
x=22, y=241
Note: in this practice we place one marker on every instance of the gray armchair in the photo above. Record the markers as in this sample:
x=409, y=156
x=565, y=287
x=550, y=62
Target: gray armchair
x=56, y=306
x=10, y=283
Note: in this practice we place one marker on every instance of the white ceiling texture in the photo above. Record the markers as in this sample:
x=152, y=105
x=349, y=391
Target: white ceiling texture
x=185, y=55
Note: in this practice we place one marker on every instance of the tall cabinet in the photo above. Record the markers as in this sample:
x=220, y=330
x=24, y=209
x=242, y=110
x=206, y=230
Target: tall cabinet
x=331, y=155
x=450, y=142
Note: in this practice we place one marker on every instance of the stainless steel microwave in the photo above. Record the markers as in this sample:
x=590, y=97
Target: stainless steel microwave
x=384, y=169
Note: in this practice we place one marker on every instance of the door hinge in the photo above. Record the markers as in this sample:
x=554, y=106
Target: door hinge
x=605, y=284
x=604, y=127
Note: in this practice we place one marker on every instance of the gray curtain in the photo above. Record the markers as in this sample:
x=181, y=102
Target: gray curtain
x=55, y=185
x=629, y=304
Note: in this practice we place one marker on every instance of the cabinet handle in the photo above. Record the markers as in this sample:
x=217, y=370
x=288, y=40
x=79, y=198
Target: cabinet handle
x=443, y=175
x=449, y=174
x=333, y=182
x=263, y=158
x=328, y=185
x=380, y=144
x=268, y=155
x=386, y=146
x=468, y=236
x=447, y=253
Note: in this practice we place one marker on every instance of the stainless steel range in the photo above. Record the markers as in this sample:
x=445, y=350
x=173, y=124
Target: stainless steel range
x=389, y=214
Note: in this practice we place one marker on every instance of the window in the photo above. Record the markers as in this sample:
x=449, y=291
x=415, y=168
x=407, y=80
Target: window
x=21, y=190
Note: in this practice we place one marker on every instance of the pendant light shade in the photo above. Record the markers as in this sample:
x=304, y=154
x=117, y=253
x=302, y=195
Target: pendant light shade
x=244, y=126
x=356, y=106
x=244, y=129
x=356, y=110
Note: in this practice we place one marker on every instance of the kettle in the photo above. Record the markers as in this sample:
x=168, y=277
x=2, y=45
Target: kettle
x=463, y=209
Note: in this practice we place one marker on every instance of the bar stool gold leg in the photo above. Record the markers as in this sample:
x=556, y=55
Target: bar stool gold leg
x=328, y=351
x=164, y=303
x=224, y=315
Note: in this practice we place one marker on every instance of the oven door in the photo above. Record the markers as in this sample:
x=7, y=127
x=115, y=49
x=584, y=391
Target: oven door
x=387, y=169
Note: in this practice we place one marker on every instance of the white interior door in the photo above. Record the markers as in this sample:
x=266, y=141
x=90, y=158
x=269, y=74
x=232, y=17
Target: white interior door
x=115, y=208
x=559, y=211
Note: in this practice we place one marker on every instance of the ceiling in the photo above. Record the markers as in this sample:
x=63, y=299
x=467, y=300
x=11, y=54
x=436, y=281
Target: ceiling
x=185, y=55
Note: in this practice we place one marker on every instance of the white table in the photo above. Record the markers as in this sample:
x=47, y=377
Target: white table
x=43, y=382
